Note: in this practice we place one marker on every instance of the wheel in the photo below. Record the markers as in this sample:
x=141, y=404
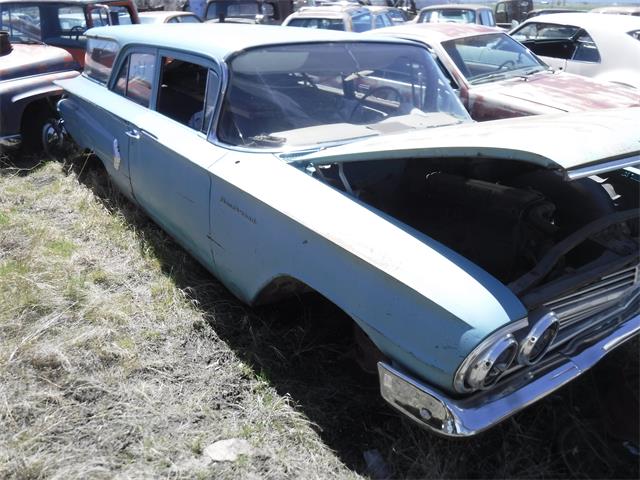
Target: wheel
x=52, y=138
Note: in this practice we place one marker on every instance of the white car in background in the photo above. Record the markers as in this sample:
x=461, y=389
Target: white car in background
x=606, y=47
x=168, y=17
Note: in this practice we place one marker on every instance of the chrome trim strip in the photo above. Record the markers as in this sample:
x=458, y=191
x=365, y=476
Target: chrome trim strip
x=602, y=167
x=464, y=417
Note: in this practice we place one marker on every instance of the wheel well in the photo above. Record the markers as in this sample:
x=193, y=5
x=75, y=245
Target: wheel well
x=280, y=288
x=35, y=109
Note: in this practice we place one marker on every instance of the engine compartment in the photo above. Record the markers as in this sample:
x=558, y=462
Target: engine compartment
x=503, y=215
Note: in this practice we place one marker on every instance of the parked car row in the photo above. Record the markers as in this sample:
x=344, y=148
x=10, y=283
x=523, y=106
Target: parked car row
x=484, y=265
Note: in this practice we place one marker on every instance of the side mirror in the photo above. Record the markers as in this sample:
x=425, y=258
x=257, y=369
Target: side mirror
x=514, y=23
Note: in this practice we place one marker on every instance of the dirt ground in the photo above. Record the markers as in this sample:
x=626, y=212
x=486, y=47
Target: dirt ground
x=121, y=357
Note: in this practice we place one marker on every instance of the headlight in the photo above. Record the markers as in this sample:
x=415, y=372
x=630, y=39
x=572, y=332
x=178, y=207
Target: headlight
x=537, y=342
x=488, y=361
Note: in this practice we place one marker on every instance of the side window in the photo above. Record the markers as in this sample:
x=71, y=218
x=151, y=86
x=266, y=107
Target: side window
x=21, y=21
x=380, y=22
x=586, y=50
x=120, y=86
x=361, y=23
x=99, y=58
x=135, y=79
x=187, y=93
x=71, y=21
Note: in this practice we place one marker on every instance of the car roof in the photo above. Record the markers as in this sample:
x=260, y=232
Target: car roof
x=219, y=40
x=592, y=21
x=457, y=6
x=437, y=32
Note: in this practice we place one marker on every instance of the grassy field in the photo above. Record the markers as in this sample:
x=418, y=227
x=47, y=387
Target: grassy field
x=121, y=357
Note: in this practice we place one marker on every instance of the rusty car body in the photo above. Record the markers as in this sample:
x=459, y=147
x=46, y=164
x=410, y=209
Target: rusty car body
x=604, y=47
x=27, y=91
x=497, y=77
x=62, y=23
x=486, y=267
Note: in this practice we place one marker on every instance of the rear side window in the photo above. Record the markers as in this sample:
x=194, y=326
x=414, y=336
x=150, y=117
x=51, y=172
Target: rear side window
x=135, y=79
x=99, y=58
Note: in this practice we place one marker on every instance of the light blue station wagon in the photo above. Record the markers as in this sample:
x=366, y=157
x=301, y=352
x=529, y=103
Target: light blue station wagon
x=486, y=265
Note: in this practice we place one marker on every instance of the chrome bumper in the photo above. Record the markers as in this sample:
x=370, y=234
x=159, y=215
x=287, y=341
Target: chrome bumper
x=468, y=416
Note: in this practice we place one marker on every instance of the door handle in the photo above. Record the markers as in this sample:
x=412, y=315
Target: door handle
x=133, y=133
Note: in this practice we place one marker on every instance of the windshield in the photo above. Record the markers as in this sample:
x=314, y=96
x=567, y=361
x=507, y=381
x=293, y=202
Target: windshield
x=491, y=57
x=323, y=23
x=448, y=15
x=308, y=94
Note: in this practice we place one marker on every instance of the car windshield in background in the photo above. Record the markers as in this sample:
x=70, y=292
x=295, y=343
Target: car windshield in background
x=545, y=31
x=234, y=9
x=56, y=23
x=309, y=94
x=322, y=23
x=448, y=16
x=485, y=58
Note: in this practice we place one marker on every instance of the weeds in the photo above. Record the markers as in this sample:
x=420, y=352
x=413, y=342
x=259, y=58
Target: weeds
x=121, y=357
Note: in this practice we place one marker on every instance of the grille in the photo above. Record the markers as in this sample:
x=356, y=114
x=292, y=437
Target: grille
x=595, y=297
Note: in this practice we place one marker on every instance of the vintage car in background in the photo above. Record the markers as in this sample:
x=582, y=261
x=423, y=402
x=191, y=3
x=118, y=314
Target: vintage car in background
x=348, y=17
x=27, y=93
x=397, y=16
x=62, y=23
x=633, y=10
x=548, y=11
x=168, y=16
x=606, y=47
x=509, y=13
x=484, y=267
x=248, y=11
x=497, y=77
x=457, y=13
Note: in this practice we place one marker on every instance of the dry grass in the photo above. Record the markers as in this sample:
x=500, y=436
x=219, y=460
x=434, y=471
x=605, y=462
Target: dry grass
x=121, y=357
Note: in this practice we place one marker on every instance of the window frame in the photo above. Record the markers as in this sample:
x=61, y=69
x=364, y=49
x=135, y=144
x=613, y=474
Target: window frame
x=204, y=62
x=123, y=56
x=160, y=52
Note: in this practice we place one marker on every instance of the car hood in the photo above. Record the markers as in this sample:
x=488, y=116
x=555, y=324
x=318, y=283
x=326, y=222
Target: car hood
x=570, y=142
x=565, y=92
x=27, y=60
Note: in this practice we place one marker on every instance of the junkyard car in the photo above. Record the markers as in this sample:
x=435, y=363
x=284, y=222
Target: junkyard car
x=27, y=92
x=62, y=23
x=606, y=47
x=168, y=16
x=487, y=267
x=618, y=10
x=350, y=18
x=248, y=11
x=457, y=13
x=497, y=77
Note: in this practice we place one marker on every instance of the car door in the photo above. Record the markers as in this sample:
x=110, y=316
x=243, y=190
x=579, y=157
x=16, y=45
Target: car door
x=169, y=152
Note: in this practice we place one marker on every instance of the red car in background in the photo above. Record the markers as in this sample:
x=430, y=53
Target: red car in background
x=498, y=77
x=62, y=23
